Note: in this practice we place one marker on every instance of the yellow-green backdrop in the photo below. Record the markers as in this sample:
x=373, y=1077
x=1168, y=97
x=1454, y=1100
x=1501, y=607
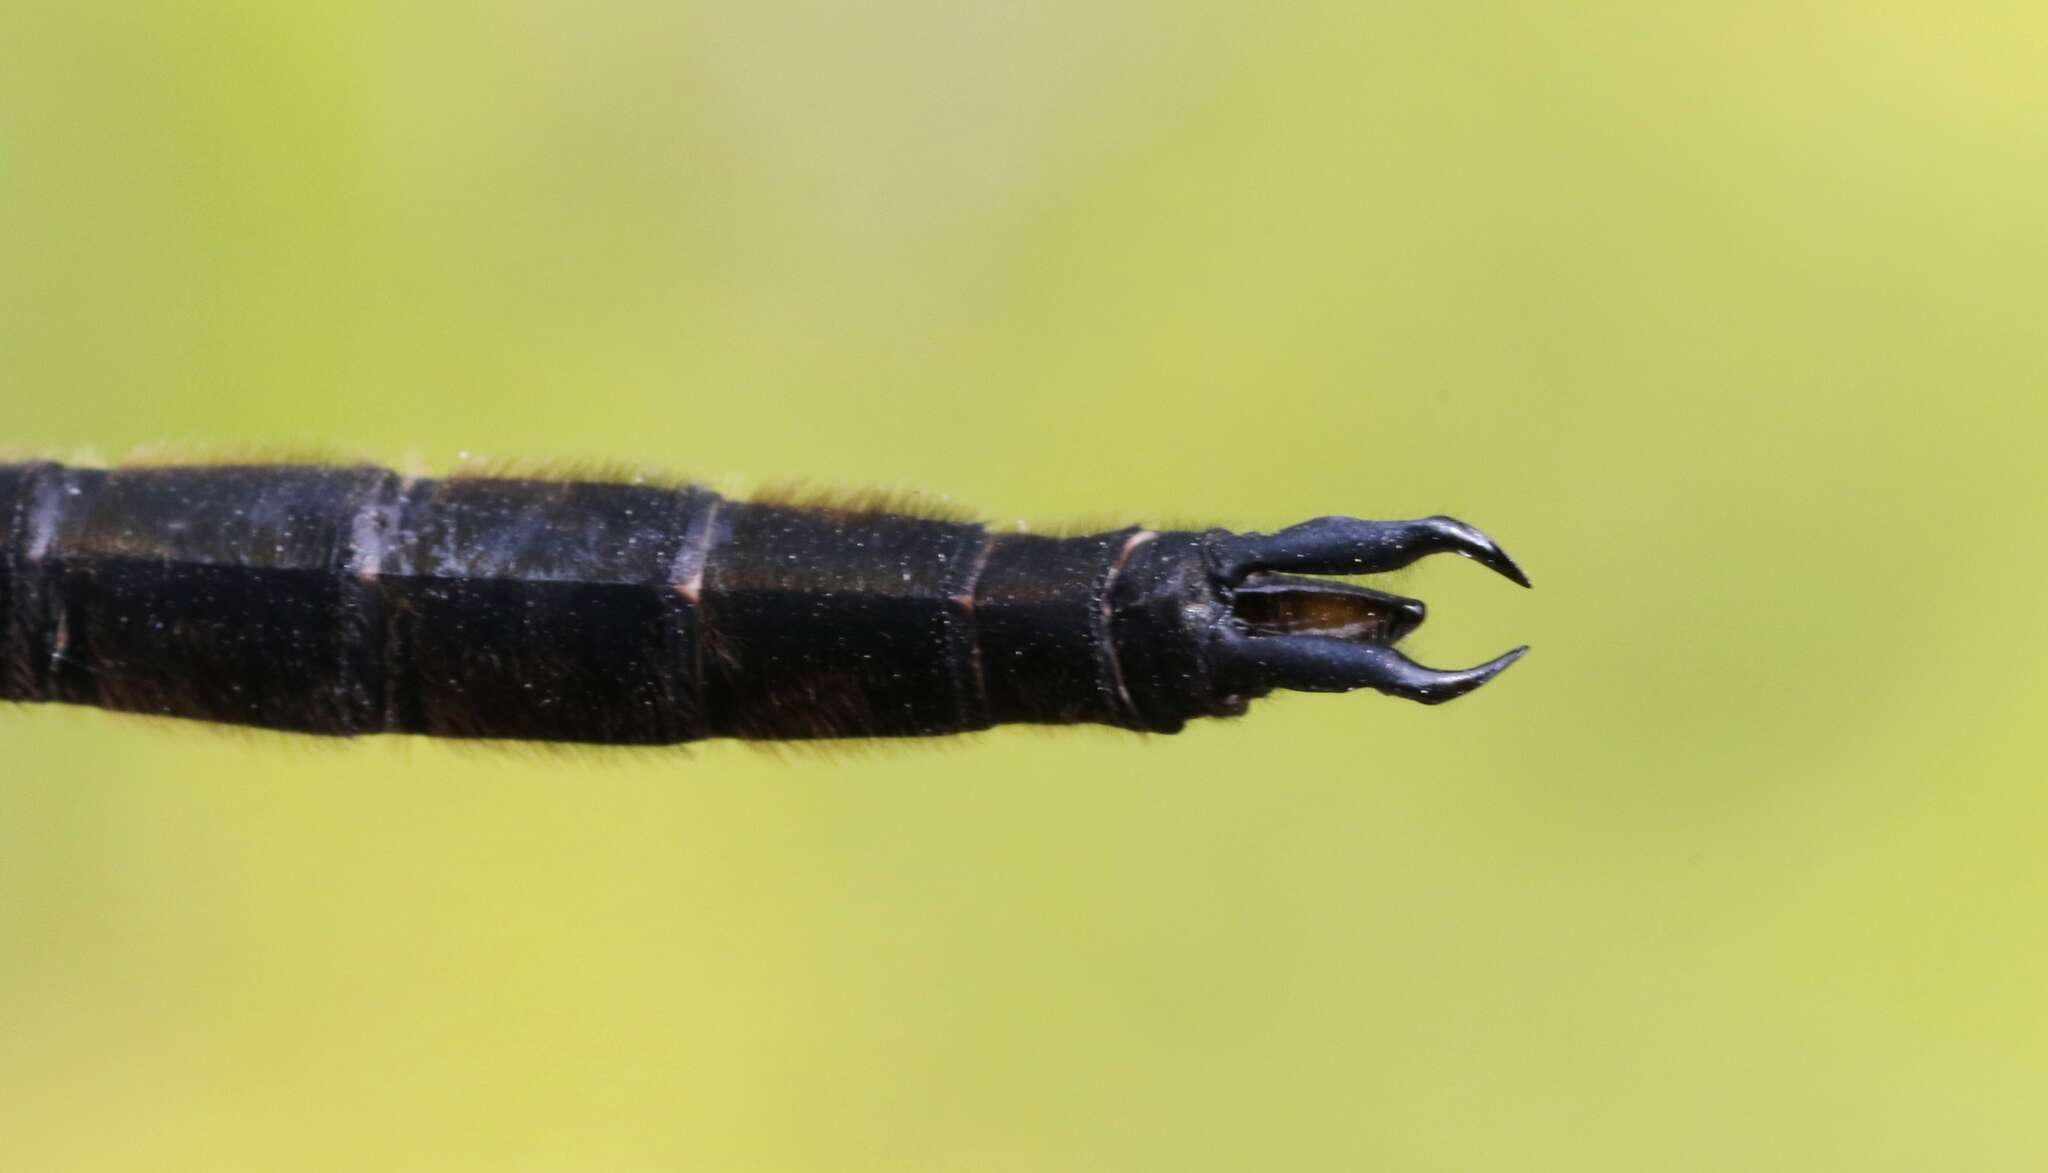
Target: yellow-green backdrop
x=1727, y=319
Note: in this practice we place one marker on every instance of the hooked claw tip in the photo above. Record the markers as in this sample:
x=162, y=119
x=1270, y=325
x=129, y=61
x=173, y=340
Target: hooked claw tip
x=1431, y=687
x=1472, y=542
x=1354, y=545
x=1321, y=664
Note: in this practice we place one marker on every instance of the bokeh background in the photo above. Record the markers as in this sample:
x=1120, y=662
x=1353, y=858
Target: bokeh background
x=1726, y=319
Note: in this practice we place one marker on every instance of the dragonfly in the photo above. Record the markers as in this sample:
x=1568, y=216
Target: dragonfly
x=345, y=600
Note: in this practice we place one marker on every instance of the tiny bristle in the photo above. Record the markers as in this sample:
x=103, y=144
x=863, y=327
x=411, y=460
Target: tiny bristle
x=853, y=750
x=863, y=502
x=23, y=454
x=595, y=756
x=245, y=738
x=52, y=454
x=1098, y=523
x=603, y=472
x=177, y=454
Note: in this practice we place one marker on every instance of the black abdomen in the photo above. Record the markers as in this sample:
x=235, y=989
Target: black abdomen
x=348, y=601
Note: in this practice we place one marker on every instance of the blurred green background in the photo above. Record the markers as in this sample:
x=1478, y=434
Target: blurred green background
x=1726, y=319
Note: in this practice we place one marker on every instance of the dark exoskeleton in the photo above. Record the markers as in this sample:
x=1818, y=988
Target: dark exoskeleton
x=348, y=600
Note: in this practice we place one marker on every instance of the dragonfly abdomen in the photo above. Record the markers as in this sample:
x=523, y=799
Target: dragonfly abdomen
x=349, y=600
